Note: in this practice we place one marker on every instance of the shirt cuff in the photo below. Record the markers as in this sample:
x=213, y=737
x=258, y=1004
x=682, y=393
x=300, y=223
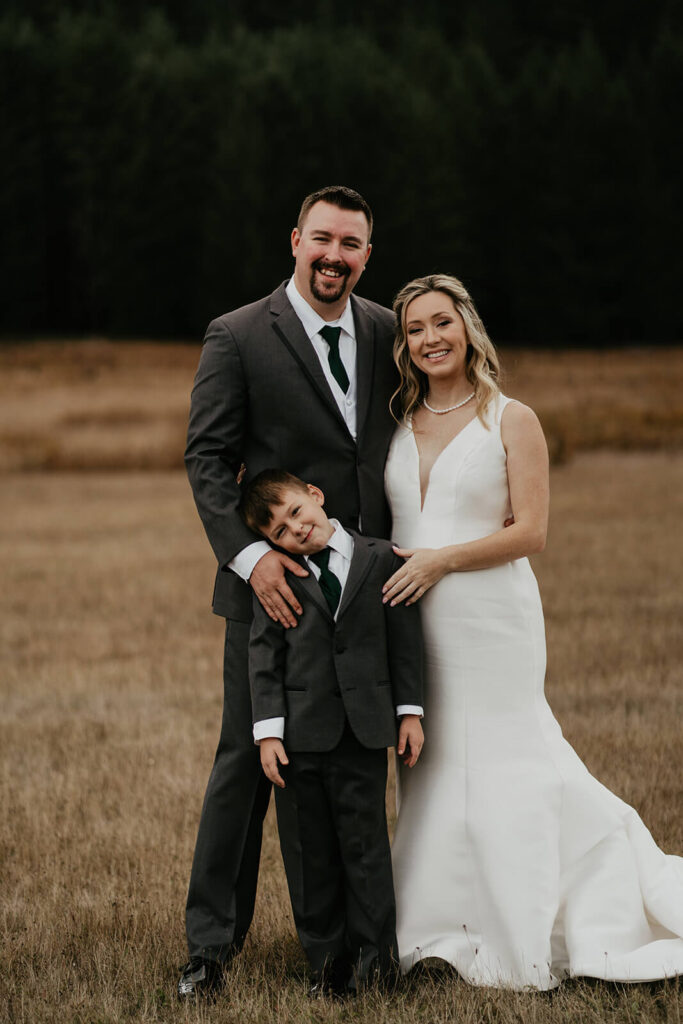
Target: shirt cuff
x=269, y=729
x=244, y=561
x=409, y=709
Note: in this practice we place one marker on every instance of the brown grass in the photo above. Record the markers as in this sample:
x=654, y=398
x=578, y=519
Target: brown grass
x=94, y=405
x=630, y=399
x=102, y=405
x=110, y=702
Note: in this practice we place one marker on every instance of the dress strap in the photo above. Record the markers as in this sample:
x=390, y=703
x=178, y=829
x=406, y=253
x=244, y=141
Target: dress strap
x=495, y=409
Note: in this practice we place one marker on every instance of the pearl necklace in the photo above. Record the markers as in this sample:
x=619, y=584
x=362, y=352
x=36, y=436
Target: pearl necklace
x=440, y=412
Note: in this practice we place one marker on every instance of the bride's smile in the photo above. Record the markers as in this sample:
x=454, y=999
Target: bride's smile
x=437, y=342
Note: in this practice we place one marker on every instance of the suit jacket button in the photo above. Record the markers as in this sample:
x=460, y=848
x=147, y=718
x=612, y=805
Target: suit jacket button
x=337, y=692
x=340, y=647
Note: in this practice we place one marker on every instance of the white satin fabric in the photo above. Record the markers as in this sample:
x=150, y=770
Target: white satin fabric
x=510, y=860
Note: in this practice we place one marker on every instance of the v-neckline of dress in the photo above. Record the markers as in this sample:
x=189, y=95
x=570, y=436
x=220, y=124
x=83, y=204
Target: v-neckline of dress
x=423, y=497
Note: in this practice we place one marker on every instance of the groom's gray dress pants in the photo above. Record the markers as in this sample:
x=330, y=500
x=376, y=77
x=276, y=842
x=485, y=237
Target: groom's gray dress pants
x=220, y=900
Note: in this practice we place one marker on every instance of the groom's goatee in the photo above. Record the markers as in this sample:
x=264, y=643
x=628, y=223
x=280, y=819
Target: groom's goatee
x=322, y=296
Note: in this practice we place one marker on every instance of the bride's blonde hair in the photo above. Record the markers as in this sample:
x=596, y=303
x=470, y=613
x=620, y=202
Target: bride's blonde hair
x=481, y=361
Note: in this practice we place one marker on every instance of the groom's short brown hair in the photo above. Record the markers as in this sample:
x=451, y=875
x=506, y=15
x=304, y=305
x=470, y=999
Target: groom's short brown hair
x=337, y=195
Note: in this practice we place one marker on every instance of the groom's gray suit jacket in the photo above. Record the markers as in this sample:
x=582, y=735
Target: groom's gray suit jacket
x=260, y=397
x=325, y=672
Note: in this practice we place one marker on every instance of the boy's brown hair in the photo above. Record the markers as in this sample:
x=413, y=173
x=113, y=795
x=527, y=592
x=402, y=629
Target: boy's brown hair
x=263, y=492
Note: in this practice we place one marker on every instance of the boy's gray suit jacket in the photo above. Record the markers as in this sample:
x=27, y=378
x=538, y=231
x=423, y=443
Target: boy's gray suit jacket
x=260, y=397
x=324, y=672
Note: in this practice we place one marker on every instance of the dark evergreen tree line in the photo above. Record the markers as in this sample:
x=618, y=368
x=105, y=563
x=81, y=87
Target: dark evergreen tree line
x=152, y=169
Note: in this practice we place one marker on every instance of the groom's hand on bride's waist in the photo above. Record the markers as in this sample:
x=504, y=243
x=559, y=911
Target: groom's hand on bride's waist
x=268, y=582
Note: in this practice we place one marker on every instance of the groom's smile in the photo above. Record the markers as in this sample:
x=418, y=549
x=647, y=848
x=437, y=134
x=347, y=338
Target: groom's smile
x=332, y=287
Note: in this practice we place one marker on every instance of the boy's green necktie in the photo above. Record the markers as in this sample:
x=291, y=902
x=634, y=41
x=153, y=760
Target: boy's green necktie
x=329, y=583
x=331, y=336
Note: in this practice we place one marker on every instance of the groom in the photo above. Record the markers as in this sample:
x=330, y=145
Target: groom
x=299, y=380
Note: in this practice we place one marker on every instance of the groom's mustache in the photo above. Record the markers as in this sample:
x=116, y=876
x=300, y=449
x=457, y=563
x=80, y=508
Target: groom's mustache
x=340, y=268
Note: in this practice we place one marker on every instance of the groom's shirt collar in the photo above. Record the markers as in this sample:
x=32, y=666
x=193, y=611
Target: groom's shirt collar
x=312, y=321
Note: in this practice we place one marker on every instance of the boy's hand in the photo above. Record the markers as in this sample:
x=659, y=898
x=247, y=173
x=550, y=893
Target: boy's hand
x=410, y=739
x=272, y=756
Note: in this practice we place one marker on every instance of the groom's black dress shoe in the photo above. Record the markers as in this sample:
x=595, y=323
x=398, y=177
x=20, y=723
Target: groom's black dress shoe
x=200, y=977
x=332, y=982
x=323, y=990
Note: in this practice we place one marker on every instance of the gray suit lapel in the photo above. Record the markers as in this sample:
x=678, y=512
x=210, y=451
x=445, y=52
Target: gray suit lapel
x=365, y=360
x=311, y=588
x=290, y=330
x=361, y=563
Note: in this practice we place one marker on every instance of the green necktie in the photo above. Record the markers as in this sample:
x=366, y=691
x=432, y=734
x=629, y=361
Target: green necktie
x=331, y=336
x=329, y=583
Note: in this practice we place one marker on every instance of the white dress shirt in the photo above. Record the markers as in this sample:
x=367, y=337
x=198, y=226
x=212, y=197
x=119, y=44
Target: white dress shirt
x=312, y=322
x=244, y=561
x=341, y=553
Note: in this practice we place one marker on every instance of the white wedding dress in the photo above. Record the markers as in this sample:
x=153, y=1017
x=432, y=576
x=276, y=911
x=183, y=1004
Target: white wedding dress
x=511, y=861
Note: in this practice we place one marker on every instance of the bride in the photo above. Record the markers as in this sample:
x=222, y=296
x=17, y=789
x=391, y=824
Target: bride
x=511, y=861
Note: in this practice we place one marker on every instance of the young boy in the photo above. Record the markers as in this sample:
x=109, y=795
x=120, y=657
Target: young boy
x=325, y=697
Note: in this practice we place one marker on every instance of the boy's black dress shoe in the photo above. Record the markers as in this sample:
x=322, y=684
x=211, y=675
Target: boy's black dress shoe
x=200, y=977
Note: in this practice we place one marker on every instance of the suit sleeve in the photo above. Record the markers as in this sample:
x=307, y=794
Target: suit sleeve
x=215, y=442
x=267, y=654
x=404, y=649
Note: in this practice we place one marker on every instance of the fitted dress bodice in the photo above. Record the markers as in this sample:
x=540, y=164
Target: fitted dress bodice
x=467, y=495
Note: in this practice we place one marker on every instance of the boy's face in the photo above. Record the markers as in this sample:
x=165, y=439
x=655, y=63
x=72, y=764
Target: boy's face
x=299, y=524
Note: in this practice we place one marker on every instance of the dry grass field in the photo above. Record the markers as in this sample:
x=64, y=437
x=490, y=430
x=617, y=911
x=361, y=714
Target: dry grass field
x=110, y=693
x=102, y=405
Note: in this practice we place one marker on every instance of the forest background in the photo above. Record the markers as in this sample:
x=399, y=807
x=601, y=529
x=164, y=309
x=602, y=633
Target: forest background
x=154, y=157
